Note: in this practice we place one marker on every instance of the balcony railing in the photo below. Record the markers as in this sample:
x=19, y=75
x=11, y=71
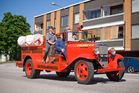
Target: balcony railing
x=104, y=19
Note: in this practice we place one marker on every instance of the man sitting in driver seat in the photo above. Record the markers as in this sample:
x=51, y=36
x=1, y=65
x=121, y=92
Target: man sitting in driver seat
x=74, y=37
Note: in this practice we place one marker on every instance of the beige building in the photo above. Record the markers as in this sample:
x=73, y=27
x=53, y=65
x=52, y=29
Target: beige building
x=114, y=22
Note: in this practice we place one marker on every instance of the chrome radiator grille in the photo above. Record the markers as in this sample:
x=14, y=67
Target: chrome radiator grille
x=103, y=50
x=103, y=55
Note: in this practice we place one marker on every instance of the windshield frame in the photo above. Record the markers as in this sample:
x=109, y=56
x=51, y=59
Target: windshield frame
x=82, y=36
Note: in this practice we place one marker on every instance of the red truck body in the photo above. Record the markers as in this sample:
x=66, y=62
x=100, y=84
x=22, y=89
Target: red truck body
x=80, y=57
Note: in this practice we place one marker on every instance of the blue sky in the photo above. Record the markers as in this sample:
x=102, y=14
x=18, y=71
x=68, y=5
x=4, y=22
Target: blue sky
x=31, y=8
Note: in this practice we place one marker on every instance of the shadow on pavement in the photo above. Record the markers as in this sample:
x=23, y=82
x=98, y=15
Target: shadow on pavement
x=55, y=77
x=71, y=78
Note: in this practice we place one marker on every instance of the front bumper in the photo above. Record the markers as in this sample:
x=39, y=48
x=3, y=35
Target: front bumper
x=105, y=70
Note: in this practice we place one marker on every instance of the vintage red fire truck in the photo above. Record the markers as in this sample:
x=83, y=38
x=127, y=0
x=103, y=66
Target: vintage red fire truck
x=83, y=56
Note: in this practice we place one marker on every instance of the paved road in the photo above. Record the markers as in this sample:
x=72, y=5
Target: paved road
x=13, y=80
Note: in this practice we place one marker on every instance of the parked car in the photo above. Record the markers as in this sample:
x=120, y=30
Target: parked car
x=131, y=64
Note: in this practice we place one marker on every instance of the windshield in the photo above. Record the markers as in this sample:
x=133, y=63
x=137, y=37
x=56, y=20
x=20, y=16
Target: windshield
x=80, y=36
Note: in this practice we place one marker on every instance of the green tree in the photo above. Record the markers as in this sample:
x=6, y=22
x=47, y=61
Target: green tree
x=11, y=27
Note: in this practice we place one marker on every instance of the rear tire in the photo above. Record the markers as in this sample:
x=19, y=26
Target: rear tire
x=63, y=74
x=116, y=75
x=84, y=72
x=30, y=71
x=130, y=69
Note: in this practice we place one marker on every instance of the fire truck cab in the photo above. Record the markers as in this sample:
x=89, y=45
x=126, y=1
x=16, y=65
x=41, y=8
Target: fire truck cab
x=83, y=56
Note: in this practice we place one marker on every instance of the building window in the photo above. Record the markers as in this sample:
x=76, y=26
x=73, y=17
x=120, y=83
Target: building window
x=76, y=18
x=120, y=32
x=95, y=13
x=64, y=21
x=109, y=33
x=90, y=14
x=116, y=9
x=135, y=5
x=95, y=33
x=48, y=23
x=41, y=25
x=135, y=31
x=106, y=10
x=38, y=27
x=55, y=23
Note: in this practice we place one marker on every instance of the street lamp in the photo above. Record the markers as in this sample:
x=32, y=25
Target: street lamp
x=55, y=4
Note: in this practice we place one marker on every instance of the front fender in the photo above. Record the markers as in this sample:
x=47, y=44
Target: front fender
x=113, y=62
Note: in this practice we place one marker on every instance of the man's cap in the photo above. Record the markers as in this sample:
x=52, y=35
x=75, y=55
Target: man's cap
x=51, y=27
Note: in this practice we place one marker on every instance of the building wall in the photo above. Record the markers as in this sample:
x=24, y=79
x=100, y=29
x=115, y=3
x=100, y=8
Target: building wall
x=92, y=4
x=128, y=41
x=128, y=28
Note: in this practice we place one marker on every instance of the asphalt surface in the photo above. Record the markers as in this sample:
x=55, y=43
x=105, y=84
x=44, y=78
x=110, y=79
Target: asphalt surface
x=13, y=80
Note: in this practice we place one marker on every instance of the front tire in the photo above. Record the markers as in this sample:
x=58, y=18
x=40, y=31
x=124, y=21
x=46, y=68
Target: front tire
x=84, y=72
x=116, y=75
x=30, y=71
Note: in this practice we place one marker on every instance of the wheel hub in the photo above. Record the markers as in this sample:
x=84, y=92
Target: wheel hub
x=28, y=69
x=82, y=71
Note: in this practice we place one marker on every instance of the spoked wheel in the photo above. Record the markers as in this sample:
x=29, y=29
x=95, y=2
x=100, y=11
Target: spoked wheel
x=63, y=74
x=84, y=72
x=130, y=69
x=30, y=71
x=116, y=75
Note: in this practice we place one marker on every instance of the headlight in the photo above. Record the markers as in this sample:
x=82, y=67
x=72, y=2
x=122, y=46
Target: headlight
x=96, y=51
x=112, y=51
